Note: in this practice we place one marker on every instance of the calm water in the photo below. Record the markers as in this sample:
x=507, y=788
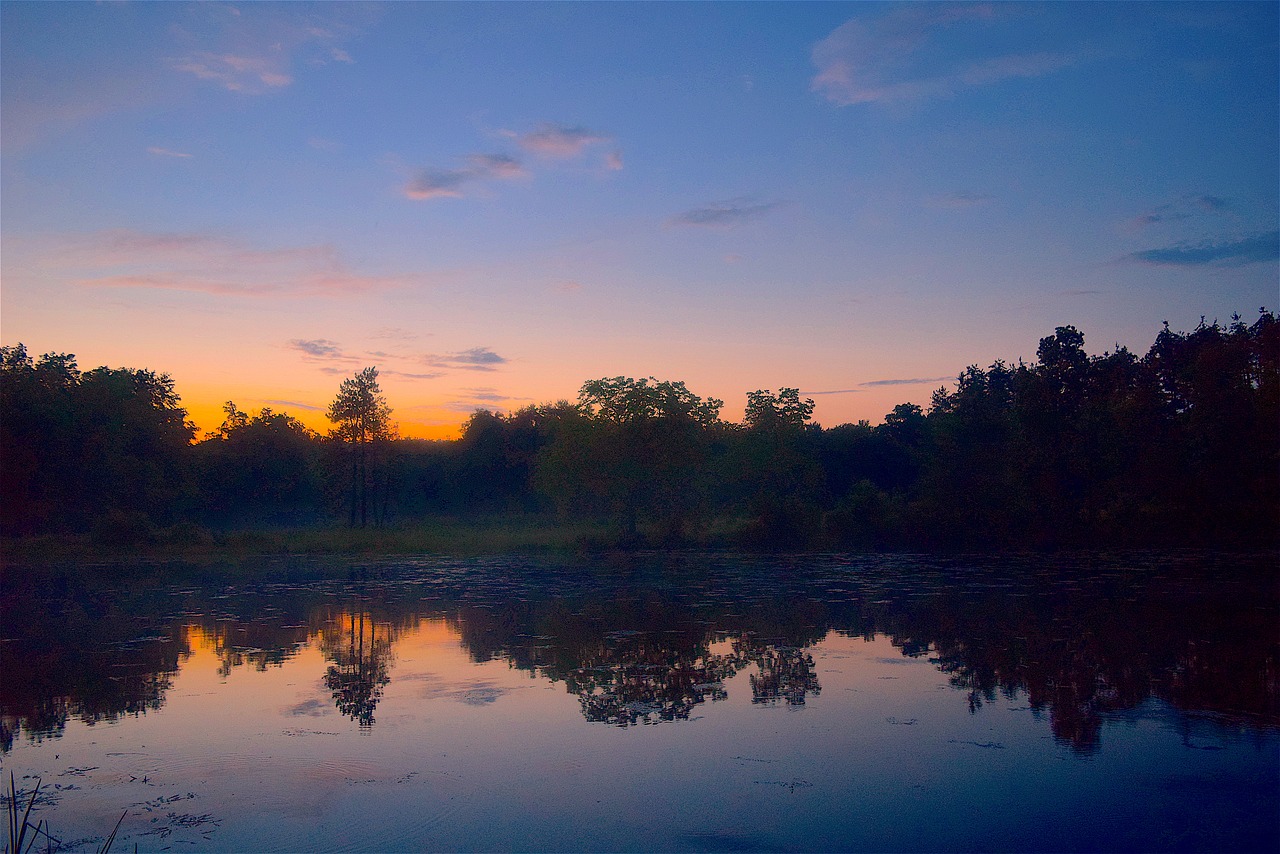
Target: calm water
x=657, y=703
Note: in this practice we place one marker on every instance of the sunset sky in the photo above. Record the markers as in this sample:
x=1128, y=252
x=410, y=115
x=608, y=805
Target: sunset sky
x=495, y=202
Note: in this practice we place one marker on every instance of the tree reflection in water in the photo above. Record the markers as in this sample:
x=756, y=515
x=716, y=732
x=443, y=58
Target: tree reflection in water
x=644, y=682
x=1077, y=641
x=360, y=649
x=786, y=674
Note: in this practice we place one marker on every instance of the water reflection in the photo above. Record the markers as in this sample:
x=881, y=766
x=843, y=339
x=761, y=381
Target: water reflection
x=360, y=649
x=654, y=640
x=786, y=674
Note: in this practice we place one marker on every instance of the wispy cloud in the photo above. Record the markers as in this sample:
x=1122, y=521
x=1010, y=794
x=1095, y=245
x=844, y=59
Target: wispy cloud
x=166, y=152
x=475, y=359
x=834, y=391
x=911, y=381
x=210, y=264
x=333, y=358
x=253, y=51
x=482, y=398
x=547, y=142
x=409, y=375
x=561, y=142
x=1258, y=249
x=395, y=333
x=490, y=395
x=248, y=74
x=725, y=214
x=293, y=404
x=449, y=183
x=478, y=356
x=1187, y=207
x=319, y=348
x=883, y=56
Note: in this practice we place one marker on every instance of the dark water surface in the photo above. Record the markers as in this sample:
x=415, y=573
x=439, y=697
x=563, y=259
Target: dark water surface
x=656, y=702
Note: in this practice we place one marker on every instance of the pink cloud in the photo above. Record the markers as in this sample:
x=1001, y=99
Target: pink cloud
x=883, y=58
x=561, y=142
x=247, y=74
x=449, y=183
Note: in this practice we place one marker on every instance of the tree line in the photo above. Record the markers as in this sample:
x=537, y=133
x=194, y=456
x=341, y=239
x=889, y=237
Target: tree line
x=1180, y=446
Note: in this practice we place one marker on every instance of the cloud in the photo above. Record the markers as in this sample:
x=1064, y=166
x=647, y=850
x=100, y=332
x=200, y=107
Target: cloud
x=912, y=381
x=410, y=375
x=247, y=74
x=560, y=142
x=320, y=348
x=726, y=214
x=294, y=405
x=475, y=359
x=1212, y=203
x=834, y=391
x=495, y=166
x=253, y=53
x=435, y=184
x=203, y=263
x=479, y=356
x=547, y=142
x=490, y=395
x=1261, y=248
x=310, y=708
x=481, y=398
x=394, y=333
x=1187, y=207
x=165, y=152
x=333, y=359
x=467, y=406
x=882, y=57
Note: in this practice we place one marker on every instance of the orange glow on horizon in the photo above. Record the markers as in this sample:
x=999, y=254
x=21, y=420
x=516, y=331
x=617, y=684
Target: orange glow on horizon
x=208, y=417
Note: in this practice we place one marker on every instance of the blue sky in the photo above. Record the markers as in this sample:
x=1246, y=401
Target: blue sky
x=496, y=202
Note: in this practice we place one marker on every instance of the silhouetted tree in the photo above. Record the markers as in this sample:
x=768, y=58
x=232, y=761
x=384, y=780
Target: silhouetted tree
x=778, y=461
x=637, y=449
x=261, y=468
x=363, y=421
x=107, y=449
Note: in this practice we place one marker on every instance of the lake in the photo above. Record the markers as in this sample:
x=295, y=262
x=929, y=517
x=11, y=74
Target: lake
x=657, y=702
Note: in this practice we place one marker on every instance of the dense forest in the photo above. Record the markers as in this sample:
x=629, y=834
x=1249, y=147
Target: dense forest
x=1177, y=447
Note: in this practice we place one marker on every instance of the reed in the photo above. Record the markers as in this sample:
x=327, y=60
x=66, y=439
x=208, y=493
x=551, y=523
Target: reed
x=19, y=826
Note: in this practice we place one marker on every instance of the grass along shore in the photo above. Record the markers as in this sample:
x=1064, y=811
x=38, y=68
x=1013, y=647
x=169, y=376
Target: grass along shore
x=441, y=535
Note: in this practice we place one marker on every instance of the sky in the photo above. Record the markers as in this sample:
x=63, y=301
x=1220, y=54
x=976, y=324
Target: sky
x=494, y=203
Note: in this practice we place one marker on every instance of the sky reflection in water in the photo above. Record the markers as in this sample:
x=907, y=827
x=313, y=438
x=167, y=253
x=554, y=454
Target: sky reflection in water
x=658, y=703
